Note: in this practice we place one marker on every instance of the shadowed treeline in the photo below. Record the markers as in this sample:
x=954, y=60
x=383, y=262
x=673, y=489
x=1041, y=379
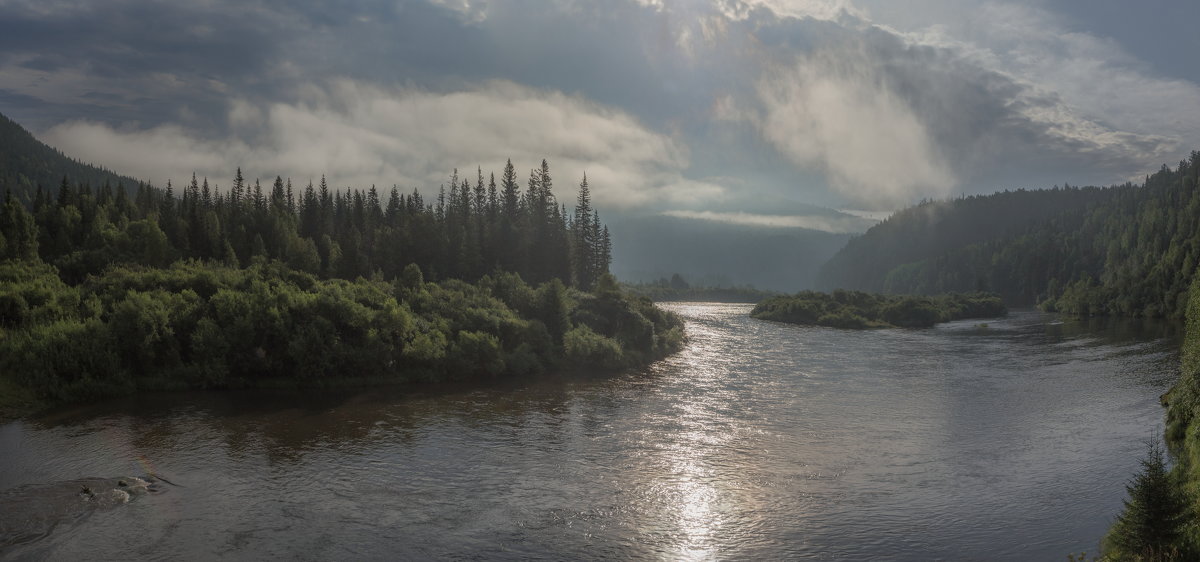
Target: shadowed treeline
x=1126, y=250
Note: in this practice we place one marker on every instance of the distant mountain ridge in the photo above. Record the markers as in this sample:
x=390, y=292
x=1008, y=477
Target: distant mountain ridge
x=26, y=162
x=718, y=253
x=1125, y=250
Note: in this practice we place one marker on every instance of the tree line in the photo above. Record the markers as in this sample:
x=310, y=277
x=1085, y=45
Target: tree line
x=676, y=288
x=1128, y=250
x=469, y=230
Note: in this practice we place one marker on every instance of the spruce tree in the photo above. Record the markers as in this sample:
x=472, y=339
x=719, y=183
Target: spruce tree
x=1151, y=525
x=509, y=250
x=19, y=230
x=237, y=192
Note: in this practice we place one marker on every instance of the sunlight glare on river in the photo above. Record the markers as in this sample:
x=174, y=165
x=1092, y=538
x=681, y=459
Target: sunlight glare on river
x=758, y=441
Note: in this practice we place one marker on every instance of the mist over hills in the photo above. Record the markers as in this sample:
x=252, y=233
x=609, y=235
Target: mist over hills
x=717, y=253
x=1126, y=250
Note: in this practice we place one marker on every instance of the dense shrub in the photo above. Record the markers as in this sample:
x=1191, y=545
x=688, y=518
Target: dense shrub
x=197, y=325
x=589, y=350
x=859, y=310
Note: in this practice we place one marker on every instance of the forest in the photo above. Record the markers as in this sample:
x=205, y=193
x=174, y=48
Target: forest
x=858, y=310
x=465, y=233
x=1127, y=250
x=105, y=290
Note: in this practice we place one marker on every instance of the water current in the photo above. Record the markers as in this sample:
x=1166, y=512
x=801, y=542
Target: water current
x=1006, y=440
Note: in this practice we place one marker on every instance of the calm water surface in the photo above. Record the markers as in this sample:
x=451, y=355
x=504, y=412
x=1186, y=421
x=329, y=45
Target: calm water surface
x=759, y=441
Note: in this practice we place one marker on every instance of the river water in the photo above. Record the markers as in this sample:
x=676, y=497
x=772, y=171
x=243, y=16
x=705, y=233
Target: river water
x=759, y=441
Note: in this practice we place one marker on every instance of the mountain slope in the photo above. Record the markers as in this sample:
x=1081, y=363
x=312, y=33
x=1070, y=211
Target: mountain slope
x=1125, y=250
x=26, y=162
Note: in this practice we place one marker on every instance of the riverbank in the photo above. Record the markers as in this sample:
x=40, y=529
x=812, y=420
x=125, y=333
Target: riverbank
x=1183, y=433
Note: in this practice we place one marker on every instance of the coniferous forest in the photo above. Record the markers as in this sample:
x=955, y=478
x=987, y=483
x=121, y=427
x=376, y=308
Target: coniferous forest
x=1128, y=250
x=108, y=289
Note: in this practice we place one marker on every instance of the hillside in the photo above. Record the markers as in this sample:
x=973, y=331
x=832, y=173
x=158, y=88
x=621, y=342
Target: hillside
x=1125, y=250
x=26, y=162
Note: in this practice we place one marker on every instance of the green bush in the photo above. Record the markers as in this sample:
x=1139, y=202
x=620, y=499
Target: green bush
x=858, y=310
x=587, y=349
x=198, y=325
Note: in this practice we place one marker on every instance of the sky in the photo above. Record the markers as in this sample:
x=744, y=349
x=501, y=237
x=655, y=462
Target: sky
x=745, y=111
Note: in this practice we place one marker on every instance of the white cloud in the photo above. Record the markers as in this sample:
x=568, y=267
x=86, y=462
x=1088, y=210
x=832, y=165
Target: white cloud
x=835, y=110
x=359, y=135
x=893, y=114
x=471, y=11
x=824, y=100
x=815, y=9
x=1086, y=90
x=873, y=216
x=824, y=223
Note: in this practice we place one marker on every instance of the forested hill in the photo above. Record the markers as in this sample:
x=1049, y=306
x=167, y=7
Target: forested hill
x=26, y=163
x=1125, y=250
x=105, y=291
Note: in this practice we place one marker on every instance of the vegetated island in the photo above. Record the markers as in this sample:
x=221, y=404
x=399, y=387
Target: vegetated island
x=106, y=290
x=677, y=289
x=858, y=310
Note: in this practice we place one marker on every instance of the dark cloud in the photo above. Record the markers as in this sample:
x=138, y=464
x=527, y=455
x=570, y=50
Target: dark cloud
x=761, y=103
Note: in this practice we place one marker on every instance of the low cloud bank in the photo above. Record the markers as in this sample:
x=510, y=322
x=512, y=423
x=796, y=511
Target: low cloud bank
x=832, y=224
x=358, y=135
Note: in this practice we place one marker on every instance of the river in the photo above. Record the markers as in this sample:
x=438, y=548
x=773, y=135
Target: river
x=1010, y=440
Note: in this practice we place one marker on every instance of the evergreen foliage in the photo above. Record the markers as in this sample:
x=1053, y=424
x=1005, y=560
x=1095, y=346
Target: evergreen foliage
x=27, y=165
x=326, y=232
x=678, y=289
x=1125, y=250
x=1183, y=439
x=1151, y=525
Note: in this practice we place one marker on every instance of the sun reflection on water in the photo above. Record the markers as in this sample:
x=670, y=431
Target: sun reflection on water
x=699, y=431
x=697, y=518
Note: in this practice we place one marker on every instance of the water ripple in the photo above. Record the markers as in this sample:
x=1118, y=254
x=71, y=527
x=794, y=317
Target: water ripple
x=760, y=440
